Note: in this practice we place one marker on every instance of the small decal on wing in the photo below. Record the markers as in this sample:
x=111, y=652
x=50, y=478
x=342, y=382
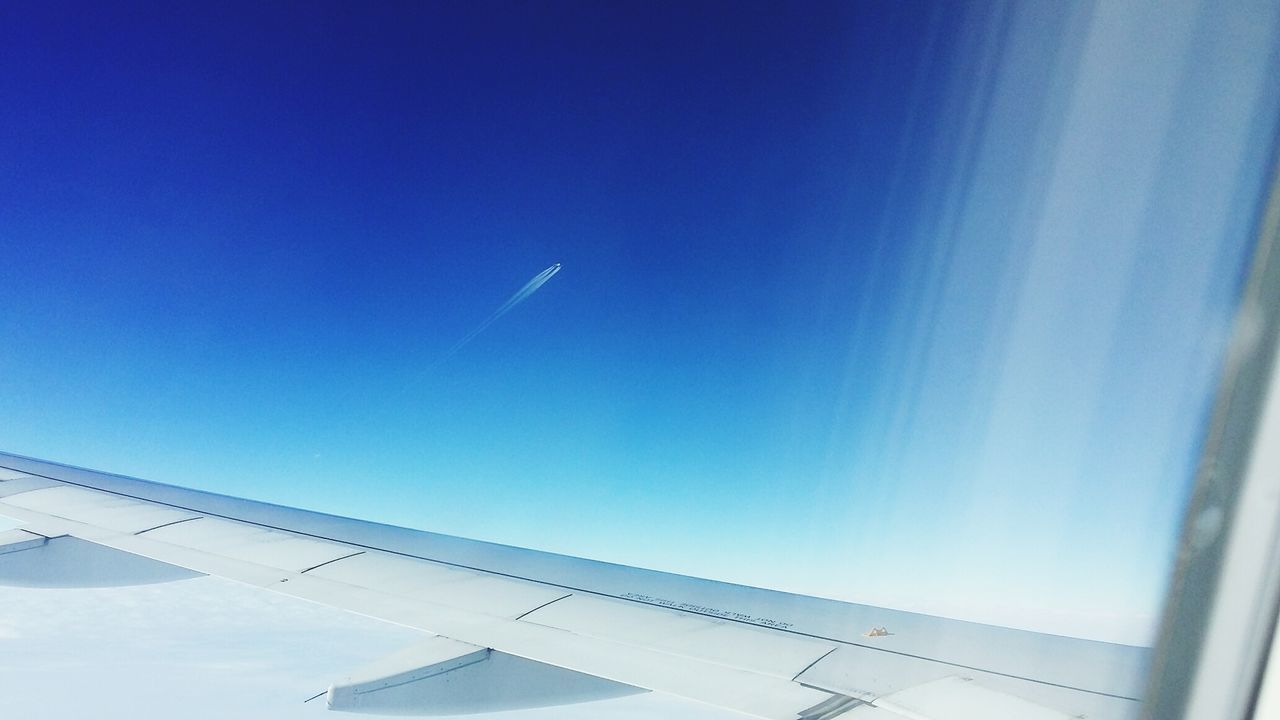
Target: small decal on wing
x=704, y=610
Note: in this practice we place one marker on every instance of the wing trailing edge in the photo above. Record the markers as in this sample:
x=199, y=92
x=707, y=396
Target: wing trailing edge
x=29, y=559
x=441, y=676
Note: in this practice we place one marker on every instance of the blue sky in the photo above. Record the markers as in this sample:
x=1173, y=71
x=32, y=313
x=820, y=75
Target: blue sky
x=898, y=304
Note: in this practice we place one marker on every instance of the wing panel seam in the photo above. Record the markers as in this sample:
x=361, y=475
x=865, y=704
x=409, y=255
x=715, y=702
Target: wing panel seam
x=815, y=662
x=326, y=562
x=171, y=522
x=529, y=612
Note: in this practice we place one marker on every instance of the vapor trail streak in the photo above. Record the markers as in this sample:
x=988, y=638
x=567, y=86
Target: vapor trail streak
x=520, y=296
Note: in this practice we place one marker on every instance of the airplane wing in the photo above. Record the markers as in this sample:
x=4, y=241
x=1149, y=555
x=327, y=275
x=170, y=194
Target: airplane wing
x=508, y=628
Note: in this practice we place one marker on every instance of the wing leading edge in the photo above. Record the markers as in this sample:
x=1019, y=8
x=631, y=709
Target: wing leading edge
x=521, y=623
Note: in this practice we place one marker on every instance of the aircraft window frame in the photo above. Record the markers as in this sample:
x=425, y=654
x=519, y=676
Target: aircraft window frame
x=1219, y=622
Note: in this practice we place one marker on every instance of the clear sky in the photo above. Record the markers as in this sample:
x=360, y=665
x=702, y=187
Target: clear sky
x=900, y=303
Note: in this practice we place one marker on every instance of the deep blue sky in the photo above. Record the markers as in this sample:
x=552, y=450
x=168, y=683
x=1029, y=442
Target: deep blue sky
x=815, y=319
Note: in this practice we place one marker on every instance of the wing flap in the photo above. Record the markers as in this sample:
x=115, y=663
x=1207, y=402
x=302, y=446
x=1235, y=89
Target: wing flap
x=71, y=562
x=871, y=674
x=870, y=712
x=441, y=676
x=17, y=540
x=957, y=698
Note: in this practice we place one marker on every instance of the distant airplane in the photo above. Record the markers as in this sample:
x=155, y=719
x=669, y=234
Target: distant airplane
x=508, y=628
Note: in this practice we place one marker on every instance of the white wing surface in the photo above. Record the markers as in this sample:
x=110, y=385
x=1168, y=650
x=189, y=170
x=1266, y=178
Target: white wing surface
x=508, y=628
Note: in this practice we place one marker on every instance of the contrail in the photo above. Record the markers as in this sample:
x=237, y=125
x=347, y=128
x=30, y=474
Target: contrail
x=520, y=296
